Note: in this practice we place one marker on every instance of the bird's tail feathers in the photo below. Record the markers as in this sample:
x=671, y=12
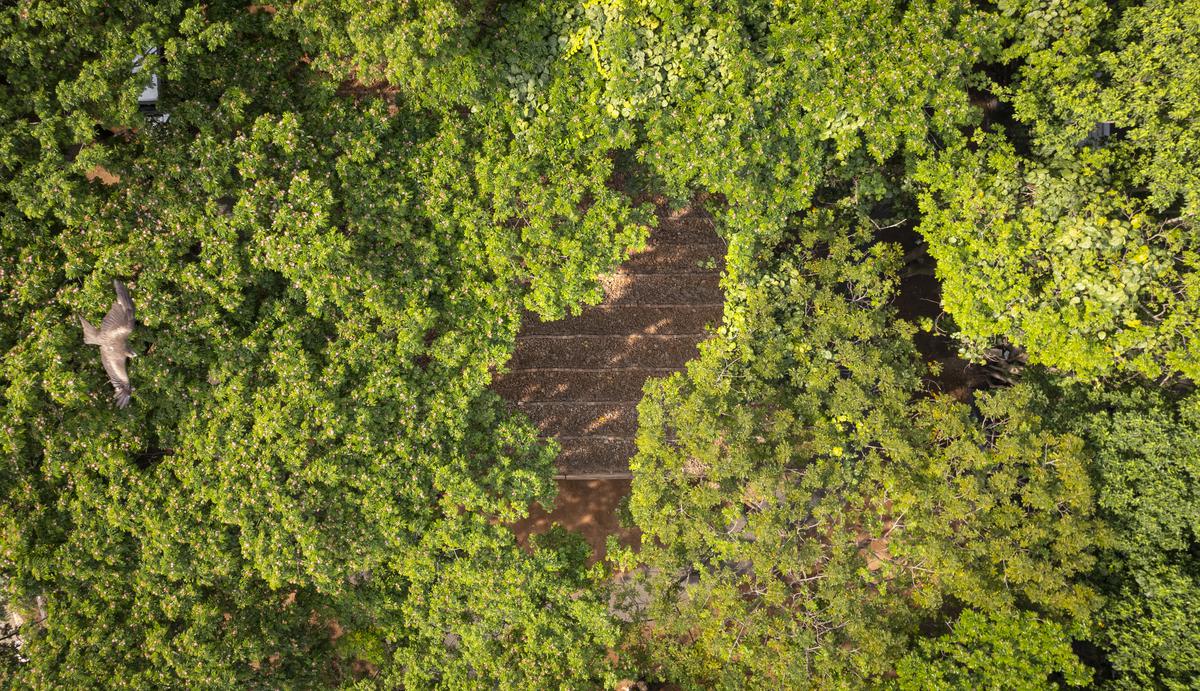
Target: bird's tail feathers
x=90, y=335
x=123, y=394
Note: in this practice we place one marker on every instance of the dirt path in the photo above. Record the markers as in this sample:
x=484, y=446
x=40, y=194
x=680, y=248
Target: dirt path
x=580, y=379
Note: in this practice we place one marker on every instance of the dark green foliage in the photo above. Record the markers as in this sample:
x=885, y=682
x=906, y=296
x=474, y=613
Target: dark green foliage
x=1148, y=458
x=993, y=652
x=428, y=50
x=324, y=288
x=1146, y=446
x=480, y=614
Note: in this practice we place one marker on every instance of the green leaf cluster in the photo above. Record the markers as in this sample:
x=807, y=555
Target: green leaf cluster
x=1076, y=246
x=325, y=284
x=1062, y=259
x=1146, y=449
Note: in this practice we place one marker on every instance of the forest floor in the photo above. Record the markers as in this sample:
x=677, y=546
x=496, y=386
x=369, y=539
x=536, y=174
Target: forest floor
x=580, y=379
x=920, y=296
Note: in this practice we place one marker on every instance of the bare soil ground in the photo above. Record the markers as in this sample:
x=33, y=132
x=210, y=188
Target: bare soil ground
x=588, y=507
x=580, y=379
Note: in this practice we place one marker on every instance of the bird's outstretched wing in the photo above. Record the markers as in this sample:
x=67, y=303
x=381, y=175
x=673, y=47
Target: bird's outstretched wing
x=90, y=335
x=114, y=363
x=119, y=320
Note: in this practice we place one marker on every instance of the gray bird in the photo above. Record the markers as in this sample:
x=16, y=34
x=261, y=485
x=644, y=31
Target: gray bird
x=113, y=339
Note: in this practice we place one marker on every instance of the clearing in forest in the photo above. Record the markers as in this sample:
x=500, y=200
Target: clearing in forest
x=580, y=379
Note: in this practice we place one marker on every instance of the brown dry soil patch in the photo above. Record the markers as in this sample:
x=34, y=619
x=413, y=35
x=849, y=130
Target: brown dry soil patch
x=580, y=379
x=588, y=507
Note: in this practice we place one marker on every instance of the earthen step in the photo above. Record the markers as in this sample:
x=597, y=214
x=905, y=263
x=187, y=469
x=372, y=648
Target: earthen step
x=673, y=257
x=701, y=288
x=575, y=418
x=595, y=458
x=627, y=319
x=690, y=226
x=533, y=352
x=588, y=385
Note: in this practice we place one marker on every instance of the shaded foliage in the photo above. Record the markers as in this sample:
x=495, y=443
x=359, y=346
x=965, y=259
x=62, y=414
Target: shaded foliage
x=1146, y=449
x=994, y=652
x=796, y=499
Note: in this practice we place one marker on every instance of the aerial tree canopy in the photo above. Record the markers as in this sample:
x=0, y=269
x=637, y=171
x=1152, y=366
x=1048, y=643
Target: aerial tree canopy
x=1145, y=446
x=325, y=283
x=336, y=215
x=1061, y=259
x=1077, y=245
x=1013, y=651
x=799, y=496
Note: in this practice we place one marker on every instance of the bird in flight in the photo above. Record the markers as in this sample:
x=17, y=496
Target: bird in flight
x=113, y=339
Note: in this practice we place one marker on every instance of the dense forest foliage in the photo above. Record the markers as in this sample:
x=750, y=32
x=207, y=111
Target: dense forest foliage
x=337, y=215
